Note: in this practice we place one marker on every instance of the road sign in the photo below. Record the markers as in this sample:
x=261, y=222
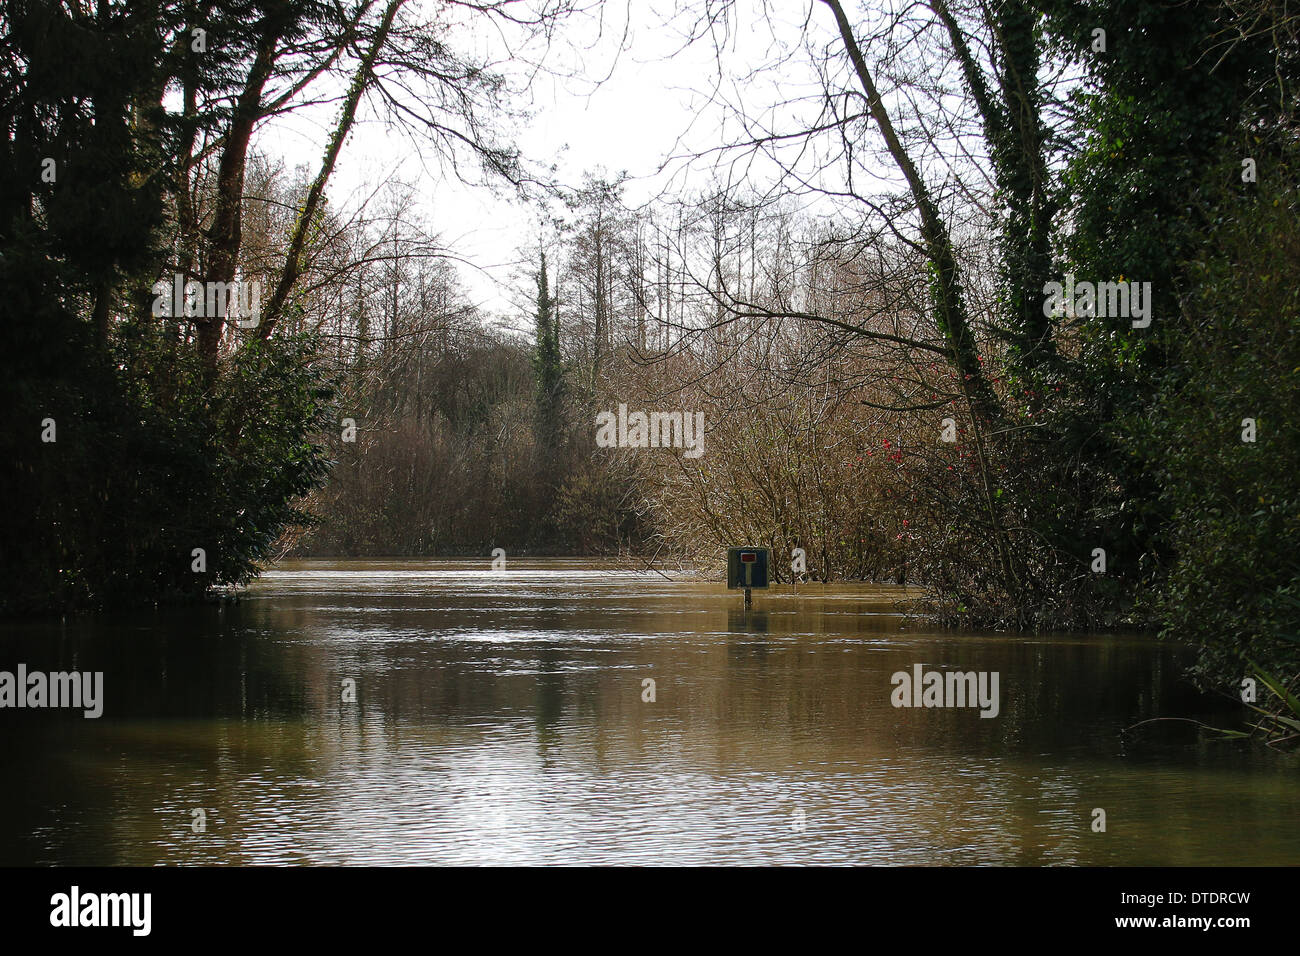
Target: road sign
x=747, y=568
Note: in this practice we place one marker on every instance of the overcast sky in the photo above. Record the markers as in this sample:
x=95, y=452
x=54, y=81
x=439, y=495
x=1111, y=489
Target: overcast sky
x=651, y=103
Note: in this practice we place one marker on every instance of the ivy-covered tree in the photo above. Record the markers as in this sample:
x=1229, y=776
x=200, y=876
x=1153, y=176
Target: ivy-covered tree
x=548, y=368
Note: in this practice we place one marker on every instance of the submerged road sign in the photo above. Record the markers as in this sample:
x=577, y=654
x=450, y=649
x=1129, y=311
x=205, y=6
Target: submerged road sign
x=747, y=568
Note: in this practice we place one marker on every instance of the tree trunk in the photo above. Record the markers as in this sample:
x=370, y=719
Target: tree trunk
x=293, y=263
x=225, y=233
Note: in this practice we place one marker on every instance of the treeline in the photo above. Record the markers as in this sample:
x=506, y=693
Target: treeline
x=1032, y=345
x=902, y=390
x=461, y=436
x=456, y=439
x=160, y=438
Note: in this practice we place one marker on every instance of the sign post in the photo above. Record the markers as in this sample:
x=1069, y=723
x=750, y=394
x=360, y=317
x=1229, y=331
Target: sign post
x=747, y=568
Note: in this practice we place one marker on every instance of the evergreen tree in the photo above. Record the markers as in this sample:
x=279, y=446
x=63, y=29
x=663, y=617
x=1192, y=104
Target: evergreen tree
x=136, y=477
x=548, y=368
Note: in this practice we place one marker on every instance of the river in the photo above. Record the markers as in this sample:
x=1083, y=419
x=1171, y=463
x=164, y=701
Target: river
x=426, y=712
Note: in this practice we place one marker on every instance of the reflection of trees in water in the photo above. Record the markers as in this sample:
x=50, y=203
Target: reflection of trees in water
x=175, y=662
x=242, y=716
x=746, y=622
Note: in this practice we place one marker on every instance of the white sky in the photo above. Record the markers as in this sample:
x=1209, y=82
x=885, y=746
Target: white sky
x=653, y=93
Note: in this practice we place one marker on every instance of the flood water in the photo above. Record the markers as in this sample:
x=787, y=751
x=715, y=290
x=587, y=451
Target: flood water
x=501, y=719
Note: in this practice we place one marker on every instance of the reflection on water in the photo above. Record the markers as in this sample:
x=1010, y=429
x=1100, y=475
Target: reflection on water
x=499, y=718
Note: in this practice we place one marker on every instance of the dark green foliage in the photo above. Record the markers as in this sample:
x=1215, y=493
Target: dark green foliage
x=151, y=459
x=1233, y=587
x=1137, y=447
x=112, y=510
x=547, y=366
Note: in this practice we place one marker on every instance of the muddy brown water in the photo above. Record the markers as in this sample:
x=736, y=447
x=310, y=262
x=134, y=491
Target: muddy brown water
x=503, y=718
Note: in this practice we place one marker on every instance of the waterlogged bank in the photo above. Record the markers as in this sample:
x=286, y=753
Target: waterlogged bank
x=507, y=718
